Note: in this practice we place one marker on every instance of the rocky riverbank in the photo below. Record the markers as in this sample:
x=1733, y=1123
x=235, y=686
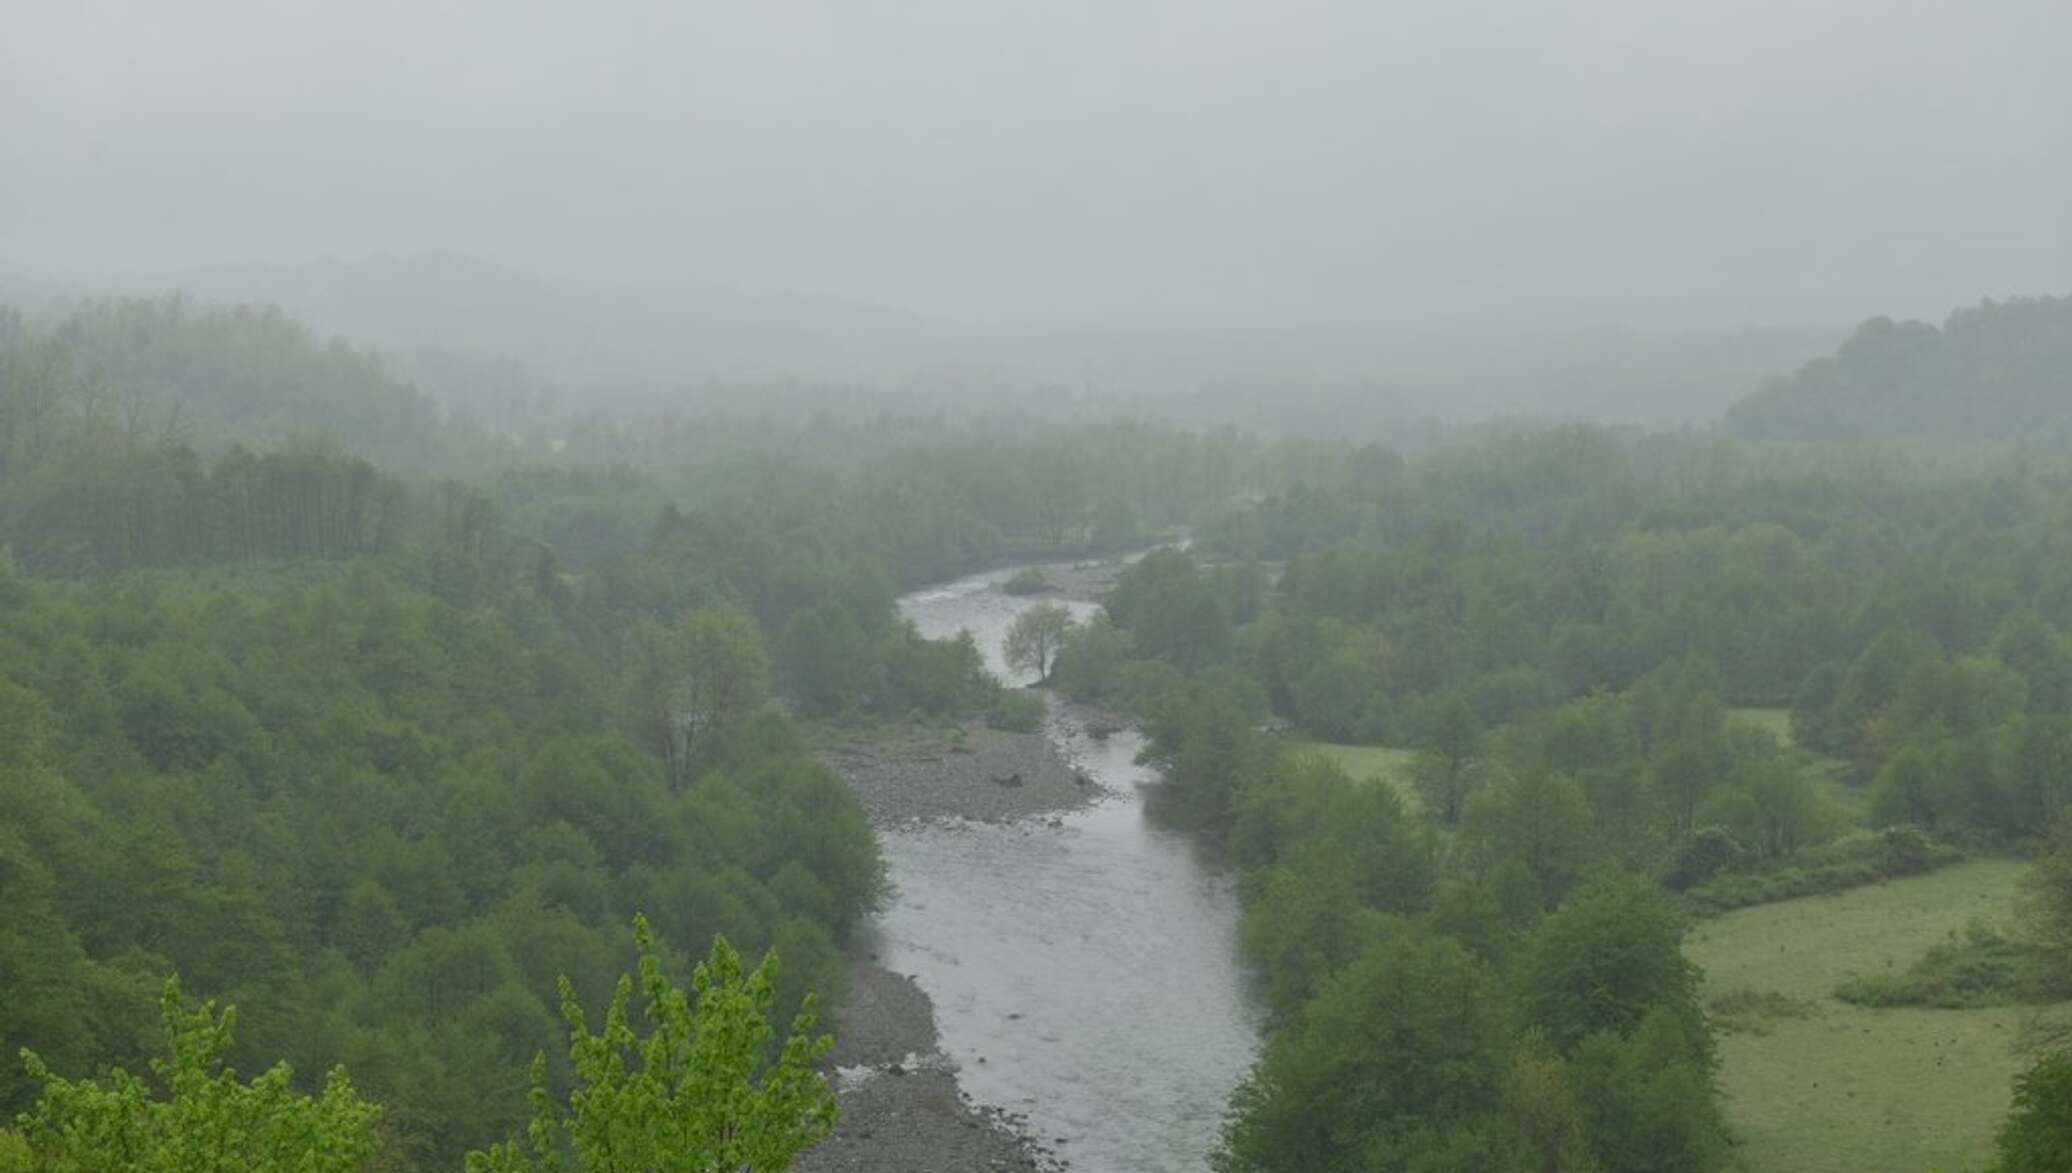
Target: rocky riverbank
x=902, y=1111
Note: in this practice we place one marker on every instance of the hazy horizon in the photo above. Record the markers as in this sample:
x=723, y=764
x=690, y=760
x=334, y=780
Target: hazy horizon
x=1142, y=164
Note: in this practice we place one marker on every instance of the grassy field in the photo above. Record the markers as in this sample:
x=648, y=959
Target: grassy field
x=1369, y=762
x=1848, y=1088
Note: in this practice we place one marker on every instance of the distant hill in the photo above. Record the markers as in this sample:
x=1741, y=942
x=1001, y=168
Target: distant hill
x=1999, y=370
x=507, y=347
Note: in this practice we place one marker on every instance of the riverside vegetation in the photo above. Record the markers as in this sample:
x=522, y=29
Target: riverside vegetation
x=383, y=726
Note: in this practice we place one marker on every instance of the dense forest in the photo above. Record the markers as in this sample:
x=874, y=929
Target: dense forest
x=1480, y=966
x=378, y=723
x=1995, y=371
x=352, y=747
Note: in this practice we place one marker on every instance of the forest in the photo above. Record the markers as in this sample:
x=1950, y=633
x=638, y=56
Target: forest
x=1994, y=371
x=385, y=727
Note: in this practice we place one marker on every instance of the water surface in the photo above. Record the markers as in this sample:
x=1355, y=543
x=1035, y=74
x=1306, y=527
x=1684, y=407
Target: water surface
x=1084, y=973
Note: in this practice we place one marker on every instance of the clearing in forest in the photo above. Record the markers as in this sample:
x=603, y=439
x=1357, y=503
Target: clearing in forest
x=1813, y=1084
x=1370, y=763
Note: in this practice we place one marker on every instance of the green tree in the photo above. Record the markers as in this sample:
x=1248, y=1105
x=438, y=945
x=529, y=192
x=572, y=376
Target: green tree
x=1607, y=960
x=1333, y=697
x=1445, y=785
x=209, y=1120
x=699, y=1094
x=828, y=660
x=1539, y=819
x=726, y=675
x=1648, y=1099
x=2037, y=1135
x=1398, y=1052
x=650, y=684
x=2045, y=912
x=1548, y=1129
x=1036, y=637
x=1089, y=665
x=1171, y=610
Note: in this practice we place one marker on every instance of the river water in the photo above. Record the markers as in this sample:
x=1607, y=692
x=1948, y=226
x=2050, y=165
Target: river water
x=1084, y=974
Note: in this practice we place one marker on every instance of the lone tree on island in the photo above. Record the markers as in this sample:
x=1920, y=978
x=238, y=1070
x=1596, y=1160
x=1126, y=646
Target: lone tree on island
x=1036, y=637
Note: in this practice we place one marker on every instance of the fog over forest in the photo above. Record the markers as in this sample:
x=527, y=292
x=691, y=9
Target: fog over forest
x=1140, y=586
x=1580, y=208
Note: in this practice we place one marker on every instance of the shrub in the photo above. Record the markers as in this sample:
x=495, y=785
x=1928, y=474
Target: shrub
x=1832, y=867
x=1701, y=854
x=1016, y=712
x=2037, y=1134
x=1983, y=968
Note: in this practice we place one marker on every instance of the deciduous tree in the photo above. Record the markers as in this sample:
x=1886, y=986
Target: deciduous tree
x=1035, y=639
x=699, y=1094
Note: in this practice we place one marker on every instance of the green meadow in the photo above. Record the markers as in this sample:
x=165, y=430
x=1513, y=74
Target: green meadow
x=1819, y=1086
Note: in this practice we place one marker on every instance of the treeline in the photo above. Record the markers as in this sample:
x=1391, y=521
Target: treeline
x=353, y=745
x=149, y=433
x=382, y=825
x=1890, y=615
x=215, y=375
x=381, y=799
x=1996, y=371
x=1495, y=997
x=1560, y=624
x=1491, y=979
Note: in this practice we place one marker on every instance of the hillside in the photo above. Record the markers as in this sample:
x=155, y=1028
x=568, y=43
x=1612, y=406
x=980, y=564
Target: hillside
x=1999, y=370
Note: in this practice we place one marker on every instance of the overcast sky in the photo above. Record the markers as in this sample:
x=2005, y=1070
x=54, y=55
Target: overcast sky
x=1563, y=161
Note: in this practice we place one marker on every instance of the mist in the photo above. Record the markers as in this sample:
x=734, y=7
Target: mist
x=1142, y=165
x=1267, y=587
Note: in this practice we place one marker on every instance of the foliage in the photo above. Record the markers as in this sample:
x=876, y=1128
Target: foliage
x=1405, y=1041
x=377, y=751
x=1542, y=821
x=699, y=1094
x=1016, y=712
x=1171, y=610
x=1090, y=664
x=1834, y=867
x=1982, y=968
x=2037, y=1136
x=1199, y=736
x=1608, y=961
x=381, y=823
x=1648, y=1100
x=1990, y=370
x=208, y=1120
x=1036, y=637
x=2045, y=914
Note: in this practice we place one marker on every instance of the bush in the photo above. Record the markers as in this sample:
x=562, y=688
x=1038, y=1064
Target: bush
x=1016, y=712
x=2037, y=1134
x=1833, y=867
x=1982, y=969
x=1701, y=854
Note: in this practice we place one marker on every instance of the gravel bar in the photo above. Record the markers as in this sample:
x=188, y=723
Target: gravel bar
x=992, y=776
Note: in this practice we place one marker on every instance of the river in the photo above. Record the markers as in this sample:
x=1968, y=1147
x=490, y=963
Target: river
x=1083, y=966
